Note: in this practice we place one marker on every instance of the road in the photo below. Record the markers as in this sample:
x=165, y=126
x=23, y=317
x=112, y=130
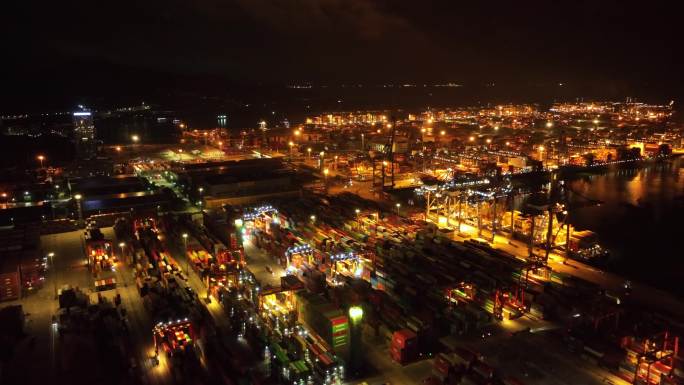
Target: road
x=257, y=260
x=38, y=362
x=385, y=370
x=46, y=361
x=517, y=356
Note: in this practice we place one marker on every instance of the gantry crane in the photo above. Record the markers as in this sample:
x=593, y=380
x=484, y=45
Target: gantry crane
x=384, y=159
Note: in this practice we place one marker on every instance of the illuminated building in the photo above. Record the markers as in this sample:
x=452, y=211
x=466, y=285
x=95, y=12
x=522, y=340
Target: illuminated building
x=84, y=134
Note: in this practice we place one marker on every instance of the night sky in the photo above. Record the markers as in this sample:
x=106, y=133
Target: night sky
x=58, y=48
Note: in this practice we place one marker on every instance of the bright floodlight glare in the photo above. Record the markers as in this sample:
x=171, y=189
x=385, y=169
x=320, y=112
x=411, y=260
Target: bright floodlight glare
x=356, y=313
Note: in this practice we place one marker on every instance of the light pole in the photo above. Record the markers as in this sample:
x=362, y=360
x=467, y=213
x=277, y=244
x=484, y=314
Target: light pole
x=79, y=208
x=54, y=274
x=41, y=158
x=356, y=318
x=325, y=176
x=398, y=206
x=363, y=142
x=291, y=144
x=357, y=211
x=122, y=245
x=308, y=150
x=185, y=250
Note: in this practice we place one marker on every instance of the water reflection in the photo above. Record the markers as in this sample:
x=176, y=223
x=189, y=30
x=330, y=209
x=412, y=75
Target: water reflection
x=640, y=220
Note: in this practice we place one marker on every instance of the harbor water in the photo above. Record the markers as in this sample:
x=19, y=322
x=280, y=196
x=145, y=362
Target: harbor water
x=640, y=220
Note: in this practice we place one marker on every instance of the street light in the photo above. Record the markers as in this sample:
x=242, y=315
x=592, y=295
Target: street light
x=51, y=255
x=118, y=148
x=549, y=124
x=78, y=207
x=135, y=138
x=41, y=158
x=356, y=314
x=398, y=206
x=309, y=151
x=187, y=259
x=122, y=245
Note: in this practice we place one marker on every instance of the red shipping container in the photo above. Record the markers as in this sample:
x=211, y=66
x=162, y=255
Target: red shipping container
x=442, y=365
x=404, y=338
x=395, y=353
x=10, y=288
x=402, y=356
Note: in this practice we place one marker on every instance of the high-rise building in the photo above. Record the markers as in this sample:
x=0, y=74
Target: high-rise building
x=84, y=134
